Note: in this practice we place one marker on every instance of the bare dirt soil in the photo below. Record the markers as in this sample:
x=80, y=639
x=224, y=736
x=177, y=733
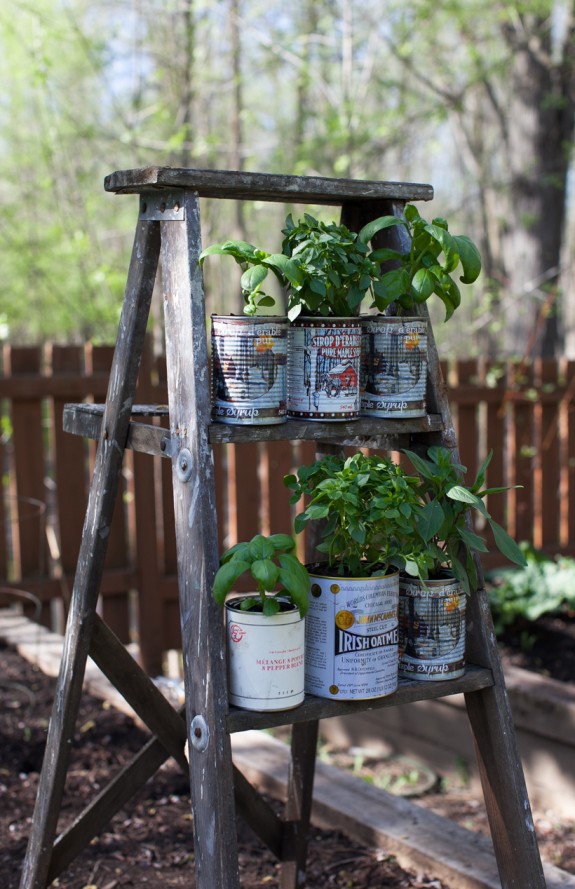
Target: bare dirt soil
x=149, y=843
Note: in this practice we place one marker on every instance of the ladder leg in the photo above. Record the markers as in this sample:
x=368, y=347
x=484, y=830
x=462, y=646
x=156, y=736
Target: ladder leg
x=211, y=776
x=298, y=804
x=501, y=772
x=101, y=501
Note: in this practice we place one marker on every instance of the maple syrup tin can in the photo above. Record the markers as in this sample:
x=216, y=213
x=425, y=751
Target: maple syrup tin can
x=249, y=358
x=393, y=367
x=351, y=648
x=324, y=364
x=431, y=629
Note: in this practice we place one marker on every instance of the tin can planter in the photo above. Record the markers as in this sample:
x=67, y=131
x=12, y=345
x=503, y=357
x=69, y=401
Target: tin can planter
x=394, y=366
x=431, y=628
x=352, y=636
x=265, y=657
x=324, y=366
x=249, y=358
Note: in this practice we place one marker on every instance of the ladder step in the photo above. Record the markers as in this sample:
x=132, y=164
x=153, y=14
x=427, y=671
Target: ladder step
x=86, y=420
x=409, y=691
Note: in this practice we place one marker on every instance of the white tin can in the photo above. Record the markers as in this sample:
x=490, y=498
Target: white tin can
x=265, y=658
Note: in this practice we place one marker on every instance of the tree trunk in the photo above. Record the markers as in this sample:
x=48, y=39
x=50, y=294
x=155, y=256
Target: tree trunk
x=540, y=126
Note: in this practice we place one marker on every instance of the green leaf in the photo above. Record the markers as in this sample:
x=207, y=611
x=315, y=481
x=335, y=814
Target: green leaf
x=260, y=547
x=266, y=573
x=448, y=245
x=226, y=576
x=469, y=257
x=424, y=467
x=282, y=542
x=295, y=579
x=271, y=606
x=423, y=284
x=480, y=477
x=253, y=277
x=431, y=520
x=372, y=228
x=449, y=295
x=385, y=254
x=239, y=551
x=506, y=545
x=472, y=540
x=240, y=250
x=464, y=495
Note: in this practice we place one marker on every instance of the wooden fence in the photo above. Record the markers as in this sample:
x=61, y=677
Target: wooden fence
x=524, y=412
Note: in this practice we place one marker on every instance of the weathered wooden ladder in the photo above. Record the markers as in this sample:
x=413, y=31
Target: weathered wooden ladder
x=168, y=232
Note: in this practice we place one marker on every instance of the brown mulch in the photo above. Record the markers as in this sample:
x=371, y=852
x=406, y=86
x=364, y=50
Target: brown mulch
x=546, y=646
x=149, y=843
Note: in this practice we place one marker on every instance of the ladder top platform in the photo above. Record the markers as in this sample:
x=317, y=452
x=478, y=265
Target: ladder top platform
x=237, y=185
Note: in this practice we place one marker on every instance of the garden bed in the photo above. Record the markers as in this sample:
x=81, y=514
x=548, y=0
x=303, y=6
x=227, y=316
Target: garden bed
x=150, y=845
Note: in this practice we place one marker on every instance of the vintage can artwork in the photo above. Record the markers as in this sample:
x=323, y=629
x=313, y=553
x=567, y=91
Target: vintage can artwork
x=431, y=629
x=249, y=358
x=324, y=365
x=394, y=366
x=352, y=637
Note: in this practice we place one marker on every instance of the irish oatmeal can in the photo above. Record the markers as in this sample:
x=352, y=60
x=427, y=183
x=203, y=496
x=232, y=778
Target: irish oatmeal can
x=351, y=637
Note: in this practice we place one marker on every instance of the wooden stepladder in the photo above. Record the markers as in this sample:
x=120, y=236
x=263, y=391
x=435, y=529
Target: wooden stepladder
x=168, y=235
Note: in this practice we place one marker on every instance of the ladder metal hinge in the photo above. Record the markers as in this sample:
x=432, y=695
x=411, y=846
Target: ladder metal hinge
x=162, y=206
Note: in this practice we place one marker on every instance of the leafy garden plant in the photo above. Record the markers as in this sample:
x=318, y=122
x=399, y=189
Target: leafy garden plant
x=428, y=266
x=446, y=540
x=272, y=565
x=335, y=270
x=368, y=508
x=256, y=264
x=546, y=585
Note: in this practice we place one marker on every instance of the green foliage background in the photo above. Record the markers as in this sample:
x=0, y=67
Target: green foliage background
x=384, y=90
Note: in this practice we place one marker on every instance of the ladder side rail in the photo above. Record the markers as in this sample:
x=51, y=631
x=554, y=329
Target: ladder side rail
x=103, y=490
x=499, y=762
x=211, y=776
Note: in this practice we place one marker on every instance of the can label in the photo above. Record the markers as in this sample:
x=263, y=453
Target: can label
x=394, y=367
x=431, y=629
x=324, y=365
x=265, y=659
x=249, y=358
x=352, y=637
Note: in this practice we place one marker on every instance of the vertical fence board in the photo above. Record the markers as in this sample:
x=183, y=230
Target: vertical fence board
x=28, y=478
x=549, y=385
x=70, y=463
x=521, y=450
x=493, y=381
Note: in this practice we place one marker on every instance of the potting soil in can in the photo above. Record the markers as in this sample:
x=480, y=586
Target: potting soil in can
x=352, y=637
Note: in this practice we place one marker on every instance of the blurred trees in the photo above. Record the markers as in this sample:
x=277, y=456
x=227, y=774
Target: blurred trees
x=476, y=98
